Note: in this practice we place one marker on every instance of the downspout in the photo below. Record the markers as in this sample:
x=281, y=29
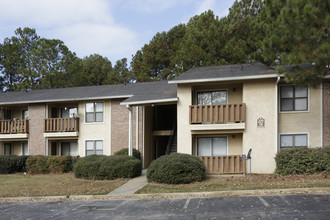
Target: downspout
x=130, y=127
x=276, y=113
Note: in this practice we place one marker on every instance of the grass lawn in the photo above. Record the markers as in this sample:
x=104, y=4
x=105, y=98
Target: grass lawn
x=13, y=185
x=227, y=183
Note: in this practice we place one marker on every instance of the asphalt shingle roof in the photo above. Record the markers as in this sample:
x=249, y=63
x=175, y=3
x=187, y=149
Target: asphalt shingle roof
x=225, y=71
x=137, y=92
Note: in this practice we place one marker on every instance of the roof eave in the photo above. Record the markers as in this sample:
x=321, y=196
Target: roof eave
x=154, y=101
x=264, y=76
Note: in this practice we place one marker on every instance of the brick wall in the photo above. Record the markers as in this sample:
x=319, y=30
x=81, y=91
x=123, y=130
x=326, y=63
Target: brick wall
x=37, y=144
x=326, y=113
x=119, y=126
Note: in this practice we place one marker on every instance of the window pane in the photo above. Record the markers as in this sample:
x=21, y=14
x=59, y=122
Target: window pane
x=204, y=98
x=65, y=148
x=300, y=140
x=73, y=112
x=64, y=113
x=99, y=152
x=89, y=145
x=204, y=146
x=286, y=141
x=99, y=107
x=286, y=92
x=89, y=152
x=99, y=116
x=7, y=149
x=301, y=91
x=99, y=145
x=219, y=98
x=89, y=117
x=89, y=107
x=73, y=148
x=25, y=114
x=25, y=150
x=301, y=104
x=219, y=146
x=286, y=105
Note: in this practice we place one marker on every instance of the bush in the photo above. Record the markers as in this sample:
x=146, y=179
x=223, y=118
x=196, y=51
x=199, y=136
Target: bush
x=88, y=167
x=107, y=167
x=12, y=164
x=49, y=164
x=124, y=151
x=303, y=161
x=120, y=166
x=176, y=168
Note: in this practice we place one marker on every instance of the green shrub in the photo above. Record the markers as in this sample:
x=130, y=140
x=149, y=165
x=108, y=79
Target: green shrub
x=176, y=168
x=119, y=166
x=12, y=164
x=303, y=161
x=107, y=167
x=88, y=167
x=49, y=164
x=124, y=151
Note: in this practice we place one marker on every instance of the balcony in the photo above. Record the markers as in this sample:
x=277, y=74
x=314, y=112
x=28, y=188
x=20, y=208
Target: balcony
x=217, y=117
x=61, y=127
x=13, y=129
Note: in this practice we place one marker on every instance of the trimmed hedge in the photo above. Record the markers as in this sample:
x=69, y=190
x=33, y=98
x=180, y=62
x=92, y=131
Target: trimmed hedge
x=49, y=164
x=303, y=161
x=176, y=168
x=12, y=164
x=107, y=167
x=124, y=151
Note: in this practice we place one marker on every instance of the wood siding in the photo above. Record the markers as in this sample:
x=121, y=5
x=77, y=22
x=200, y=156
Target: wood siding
x=231, y=164
x=14, y=126
x=61, y=124
x=234, y=113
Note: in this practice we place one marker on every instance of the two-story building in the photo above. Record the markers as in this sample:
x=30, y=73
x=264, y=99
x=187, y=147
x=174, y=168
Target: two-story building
x=217, y=113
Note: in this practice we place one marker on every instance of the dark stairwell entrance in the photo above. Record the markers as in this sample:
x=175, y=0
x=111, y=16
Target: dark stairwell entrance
x=164, y=130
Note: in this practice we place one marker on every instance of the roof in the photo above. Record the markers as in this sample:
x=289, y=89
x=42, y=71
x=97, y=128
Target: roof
x=138, y=93
x=226, y=72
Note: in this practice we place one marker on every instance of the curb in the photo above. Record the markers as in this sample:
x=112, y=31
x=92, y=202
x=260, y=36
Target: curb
x=270, y=192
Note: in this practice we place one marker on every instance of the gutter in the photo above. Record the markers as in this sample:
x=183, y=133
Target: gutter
x=276, y=113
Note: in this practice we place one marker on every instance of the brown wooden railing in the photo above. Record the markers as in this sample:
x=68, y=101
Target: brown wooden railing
x=61, y=124
x=217, y=113
x=14, y=126
x=231, y=164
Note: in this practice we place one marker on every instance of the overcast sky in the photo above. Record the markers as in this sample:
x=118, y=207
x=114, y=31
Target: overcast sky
x=112, y=28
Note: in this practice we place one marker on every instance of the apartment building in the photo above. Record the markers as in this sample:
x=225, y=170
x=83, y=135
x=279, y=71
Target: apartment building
x=217, y=113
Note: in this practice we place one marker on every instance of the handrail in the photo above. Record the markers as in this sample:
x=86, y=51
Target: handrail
x=61, y=124
x=14, y=126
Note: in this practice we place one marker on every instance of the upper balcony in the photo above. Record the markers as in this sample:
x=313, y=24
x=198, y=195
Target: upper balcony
x=12, y=129
x=217, y=117
x=61, y=127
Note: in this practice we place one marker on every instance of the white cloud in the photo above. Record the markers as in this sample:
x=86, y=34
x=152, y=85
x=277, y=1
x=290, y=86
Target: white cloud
x=153, y=6
x=85, y=26
x=205, y=6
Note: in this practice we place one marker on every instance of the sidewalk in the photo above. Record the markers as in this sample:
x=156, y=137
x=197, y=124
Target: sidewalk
x=130, y=187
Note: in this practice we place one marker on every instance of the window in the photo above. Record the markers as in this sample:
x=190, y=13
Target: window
x=7, y=114
x=7, y=149
x=212, y=98
x=294, y=98
x=70, y=112
x=212, y=146
x=94, y=147
x=94, y=112
x=293, y=140
x=69, y=148
x=25, y=114
x=25, y=149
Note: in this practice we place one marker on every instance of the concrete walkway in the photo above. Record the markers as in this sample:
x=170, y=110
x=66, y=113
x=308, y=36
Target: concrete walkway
x=130, y=187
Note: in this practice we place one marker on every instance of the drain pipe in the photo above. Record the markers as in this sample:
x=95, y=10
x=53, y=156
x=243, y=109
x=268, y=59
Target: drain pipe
x=130, y=132
x=276, y=113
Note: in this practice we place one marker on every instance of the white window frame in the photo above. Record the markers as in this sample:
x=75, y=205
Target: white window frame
x=211, y=136
x=294, y=111
x=94, y=146
x=70, y=142
x=293, y=134
x=94, y=113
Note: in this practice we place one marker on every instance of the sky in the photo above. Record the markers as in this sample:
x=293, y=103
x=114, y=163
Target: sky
x=112, y=28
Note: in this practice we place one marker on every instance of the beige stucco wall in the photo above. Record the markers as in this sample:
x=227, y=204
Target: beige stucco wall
x=305, y=122
x=260, y=99
x=94, y=131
